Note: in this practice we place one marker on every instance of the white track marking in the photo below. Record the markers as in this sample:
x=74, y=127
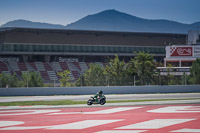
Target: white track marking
x=75, y=125
x=83, y=124
x=10, y=123
x=24, y=128
x=65, y=113
x=28, y=112
x=106, y=111
x=177, y=109
x=113, y=110
x=186, y=130
x=122, y=131
x=155, y=124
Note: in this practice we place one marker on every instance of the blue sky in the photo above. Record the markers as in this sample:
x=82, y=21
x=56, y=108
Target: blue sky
x=68, y=11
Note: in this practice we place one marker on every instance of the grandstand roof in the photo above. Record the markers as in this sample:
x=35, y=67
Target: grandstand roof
x=84, y=37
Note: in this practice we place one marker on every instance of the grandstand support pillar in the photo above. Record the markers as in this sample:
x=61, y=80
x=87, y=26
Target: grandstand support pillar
x=180, y=63
x=134, y=80
x=25, y=58
x=165, y=62
x=47, y=58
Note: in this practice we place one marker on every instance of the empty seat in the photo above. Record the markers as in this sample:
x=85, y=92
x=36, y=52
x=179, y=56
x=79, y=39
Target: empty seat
x=99, y=63
x=56, y=66
x=64, y=66
x=44, y=75
x=22, y=66
x=75, y=74
x=52, y=75
x=31, y=66
x=39, y=66
x=13, y=65
x=3, y=67
x=6, y=72
x=47, y=66
x=71, y=66
x=83, y=66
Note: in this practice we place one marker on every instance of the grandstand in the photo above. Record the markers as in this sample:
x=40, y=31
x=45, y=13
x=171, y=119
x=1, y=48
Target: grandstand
x=49, y=51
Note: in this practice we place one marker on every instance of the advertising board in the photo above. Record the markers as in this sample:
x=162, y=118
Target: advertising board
x=183, y=51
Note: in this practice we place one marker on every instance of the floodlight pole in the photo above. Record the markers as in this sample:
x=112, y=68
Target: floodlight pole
x=160, y=79
x=185, y=79
x=27, y=78
x=81, y=78
x=54, y=81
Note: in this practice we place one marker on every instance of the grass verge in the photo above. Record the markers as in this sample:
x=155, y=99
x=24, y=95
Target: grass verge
x=69, y=102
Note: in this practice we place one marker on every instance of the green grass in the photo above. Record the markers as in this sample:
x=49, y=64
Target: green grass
x=69, y=102
x=149, y=100
x=27, y=103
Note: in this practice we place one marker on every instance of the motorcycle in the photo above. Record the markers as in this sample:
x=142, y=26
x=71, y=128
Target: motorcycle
x=101, y=100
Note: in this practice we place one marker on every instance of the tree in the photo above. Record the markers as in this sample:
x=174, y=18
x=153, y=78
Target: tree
x=8, y=80
x=132, y=72
x=34, y=80
x=144, y=66
x=195, y=72
x=65, y=78
x=116, y=72
x=31, y=79
x=94, y=76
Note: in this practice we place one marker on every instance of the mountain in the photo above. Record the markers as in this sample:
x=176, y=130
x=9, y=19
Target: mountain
x=30, y=24
x=113, y=20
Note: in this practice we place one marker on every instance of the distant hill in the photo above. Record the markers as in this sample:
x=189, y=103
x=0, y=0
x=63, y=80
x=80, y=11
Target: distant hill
x=113, y=20
x=30, y=24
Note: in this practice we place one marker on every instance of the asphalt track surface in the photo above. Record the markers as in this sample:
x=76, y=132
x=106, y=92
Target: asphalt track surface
x=176, y=116
x=109, y=97
x=179, y=118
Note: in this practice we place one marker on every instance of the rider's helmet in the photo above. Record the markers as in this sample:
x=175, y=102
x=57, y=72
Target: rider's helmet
x=100, y=92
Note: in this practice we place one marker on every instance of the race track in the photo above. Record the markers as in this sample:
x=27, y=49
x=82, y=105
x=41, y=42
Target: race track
x=179, y=118
x=109, y=97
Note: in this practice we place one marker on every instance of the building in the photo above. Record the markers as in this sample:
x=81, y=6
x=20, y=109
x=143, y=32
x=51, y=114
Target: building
x=49, y=51
x=181, y=56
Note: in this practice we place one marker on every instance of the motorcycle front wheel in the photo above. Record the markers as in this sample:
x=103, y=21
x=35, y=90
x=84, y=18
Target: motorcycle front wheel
x=102, y=101
x=89, y=102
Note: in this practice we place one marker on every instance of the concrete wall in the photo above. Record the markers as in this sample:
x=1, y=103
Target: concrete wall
x=92, y=90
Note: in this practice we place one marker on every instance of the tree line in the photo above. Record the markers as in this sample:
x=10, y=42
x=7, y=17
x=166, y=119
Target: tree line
x=28, y=79
x=140, y=70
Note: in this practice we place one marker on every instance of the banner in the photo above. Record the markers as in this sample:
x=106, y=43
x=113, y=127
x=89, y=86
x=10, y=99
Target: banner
x=68, y=59
x=183, y=51
x=9, y=59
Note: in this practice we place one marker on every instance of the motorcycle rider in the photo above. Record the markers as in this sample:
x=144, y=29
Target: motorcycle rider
x=98, y=96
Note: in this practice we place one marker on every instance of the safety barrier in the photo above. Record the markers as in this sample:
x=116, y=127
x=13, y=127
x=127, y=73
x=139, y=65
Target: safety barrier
x=43, y=91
